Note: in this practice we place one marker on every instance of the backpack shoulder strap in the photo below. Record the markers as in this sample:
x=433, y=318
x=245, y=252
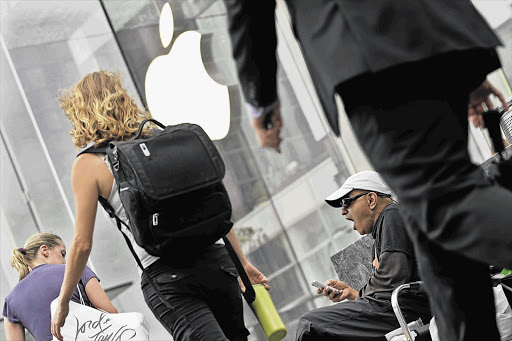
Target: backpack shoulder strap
x=249, y=294
x=91, y=149
x=110, y=210
x=492, y=123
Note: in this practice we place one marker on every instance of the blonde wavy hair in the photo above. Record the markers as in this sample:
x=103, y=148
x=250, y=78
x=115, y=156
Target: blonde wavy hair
x=21, y=258
x=101, y=110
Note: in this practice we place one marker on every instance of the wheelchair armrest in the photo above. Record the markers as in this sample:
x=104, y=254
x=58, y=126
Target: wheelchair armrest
x=398, y=311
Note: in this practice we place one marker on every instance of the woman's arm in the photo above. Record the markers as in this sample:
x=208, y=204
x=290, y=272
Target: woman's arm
x=255, y=276
x=14, y=331
x=98, y=297
x=85, y=191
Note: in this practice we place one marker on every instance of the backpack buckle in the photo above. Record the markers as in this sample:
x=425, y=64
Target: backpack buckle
x=116, y=159
x=155, y=219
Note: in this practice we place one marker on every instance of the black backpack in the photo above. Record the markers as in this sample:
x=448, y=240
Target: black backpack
x=171, y=188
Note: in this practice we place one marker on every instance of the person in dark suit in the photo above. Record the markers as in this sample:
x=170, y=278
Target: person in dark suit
x=405, y=71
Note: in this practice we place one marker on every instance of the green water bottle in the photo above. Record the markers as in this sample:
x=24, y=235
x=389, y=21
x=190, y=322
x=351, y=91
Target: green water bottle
x=267, y=315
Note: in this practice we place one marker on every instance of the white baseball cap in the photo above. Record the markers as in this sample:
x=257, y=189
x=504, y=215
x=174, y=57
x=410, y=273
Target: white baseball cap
x=365, y=180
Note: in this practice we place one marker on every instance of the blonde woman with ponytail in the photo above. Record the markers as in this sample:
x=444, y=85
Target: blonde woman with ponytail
x=40, y=264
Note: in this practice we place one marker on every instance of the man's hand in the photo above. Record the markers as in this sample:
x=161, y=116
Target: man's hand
x=255, y=276
x=346, y=292
x=58, y=320
x=477, y=99
x=269, y=138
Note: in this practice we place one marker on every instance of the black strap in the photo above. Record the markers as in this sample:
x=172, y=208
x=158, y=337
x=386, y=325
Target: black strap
x=249, y=294
x=142, y=127
x=492, y=123
x=92, y=149
x=106, y=205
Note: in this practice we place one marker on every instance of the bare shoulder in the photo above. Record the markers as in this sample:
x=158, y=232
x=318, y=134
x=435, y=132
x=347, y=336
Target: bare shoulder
x=86, y=164
x=87, y=168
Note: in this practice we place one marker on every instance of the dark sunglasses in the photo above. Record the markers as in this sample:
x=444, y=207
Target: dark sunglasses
x=346, y=202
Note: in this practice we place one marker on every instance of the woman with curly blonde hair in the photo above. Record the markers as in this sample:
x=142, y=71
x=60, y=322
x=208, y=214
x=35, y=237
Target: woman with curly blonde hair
x=101, y=110
x=40, y=264
x=204, y=290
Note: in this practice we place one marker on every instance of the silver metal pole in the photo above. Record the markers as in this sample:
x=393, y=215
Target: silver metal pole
x=41, y=139
x=38, y=132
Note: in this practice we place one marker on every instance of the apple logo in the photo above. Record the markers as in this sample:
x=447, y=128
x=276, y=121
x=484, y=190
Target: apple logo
x=178, y=87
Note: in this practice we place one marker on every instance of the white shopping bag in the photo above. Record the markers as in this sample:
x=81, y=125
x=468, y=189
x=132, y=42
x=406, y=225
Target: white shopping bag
x=503, y=317
x=434, y=333
x=87, y=323
x=503, y=313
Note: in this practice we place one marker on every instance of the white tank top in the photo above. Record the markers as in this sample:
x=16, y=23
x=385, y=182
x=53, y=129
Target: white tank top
x=115, y=201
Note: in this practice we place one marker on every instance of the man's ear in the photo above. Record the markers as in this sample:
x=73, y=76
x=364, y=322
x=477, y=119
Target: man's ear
x=372, y=200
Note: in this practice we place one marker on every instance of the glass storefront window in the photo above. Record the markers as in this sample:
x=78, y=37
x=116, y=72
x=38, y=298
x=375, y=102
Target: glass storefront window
x=285, y=227
x=278, y=206
x=48, y=46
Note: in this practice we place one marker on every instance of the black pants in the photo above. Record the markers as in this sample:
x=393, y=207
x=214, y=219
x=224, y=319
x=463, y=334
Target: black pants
x=413, y=127
x=364, y=319
x=205, y=296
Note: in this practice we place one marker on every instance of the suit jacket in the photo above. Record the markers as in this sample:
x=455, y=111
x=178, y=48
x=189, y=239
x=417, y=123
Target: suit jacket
x=342, y=39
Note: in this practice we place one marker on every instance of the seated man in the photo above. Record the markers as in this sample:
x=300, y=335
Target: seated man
x=368, y=315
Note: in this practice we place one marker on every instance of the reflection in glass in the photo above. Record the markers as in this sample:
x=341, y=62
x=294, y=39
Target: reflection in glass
x=52, y=44
x=284, y=225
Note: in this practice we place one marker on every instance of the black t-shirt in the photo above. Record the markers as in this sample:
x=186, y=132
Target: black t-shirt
x=394, y=251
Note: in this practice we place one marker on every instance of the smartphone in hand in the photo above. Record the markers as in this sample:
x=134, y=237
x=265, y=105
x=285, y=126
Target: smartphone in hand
x=323, y=286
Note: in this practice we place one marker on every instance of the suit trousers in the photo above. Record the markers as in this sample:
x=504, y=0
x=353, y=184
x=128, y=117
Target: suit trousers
x=412, y=124
x=204, y=294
